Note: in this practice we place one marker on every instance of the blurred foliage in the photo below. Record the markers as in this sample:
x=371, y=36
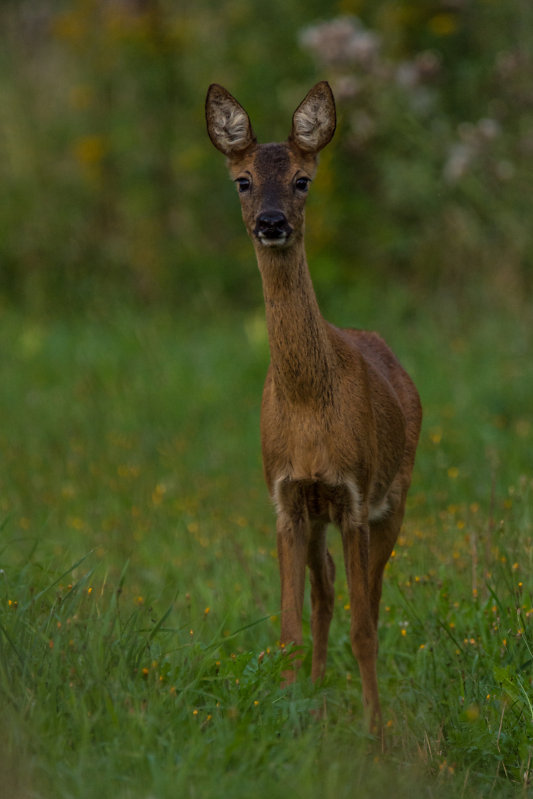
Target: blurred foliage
x=111, y=187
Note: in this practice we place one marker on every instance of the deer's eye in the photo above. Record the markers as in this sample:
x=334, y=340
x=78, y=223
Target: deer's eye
x=302, y=184
x=243, y=184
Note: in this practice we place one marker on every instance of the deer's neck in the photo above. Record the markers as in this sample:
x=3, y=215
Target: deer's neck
x=300, y=349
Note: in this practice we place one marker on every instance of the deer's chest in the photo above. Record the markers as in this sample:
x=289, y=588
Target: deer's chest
x=303, y=444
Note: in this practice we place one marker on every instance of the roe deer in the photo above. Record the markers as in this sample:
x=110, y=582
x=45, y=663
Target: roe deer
x=340, y=417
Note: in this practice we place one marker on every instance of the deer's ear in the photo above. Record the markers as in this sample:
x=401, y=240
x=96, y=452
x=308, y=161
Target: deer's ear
x=314, y=121
x=228, y=123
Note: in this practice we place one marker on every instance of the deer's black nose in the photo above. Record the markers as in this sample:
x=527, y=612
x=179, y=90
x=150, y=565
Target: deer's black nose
x=272, y=225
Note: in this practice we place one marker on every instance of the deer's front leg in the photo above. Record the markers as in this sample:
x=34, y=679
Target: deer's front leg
x=363, y=632
x=292, y=537
x=322, y=574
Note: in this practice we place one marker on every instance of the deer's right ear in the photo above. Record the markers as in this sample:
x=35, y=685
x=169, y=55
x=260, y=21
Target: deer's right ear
x=228, y=124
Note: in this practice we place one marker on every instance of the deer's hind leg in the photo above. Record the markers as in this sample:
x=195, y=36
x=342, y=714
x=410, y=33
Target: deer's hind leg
x=383, y=536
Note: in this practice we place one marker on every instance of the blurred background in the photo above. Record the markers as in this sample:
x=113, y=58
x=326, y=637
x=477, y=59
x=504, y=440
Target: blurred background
x=111, y=190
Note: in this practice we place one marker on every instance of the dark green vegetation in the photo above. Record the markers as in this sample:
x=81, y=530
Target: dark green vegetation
x=108, y=185
x=139, y=584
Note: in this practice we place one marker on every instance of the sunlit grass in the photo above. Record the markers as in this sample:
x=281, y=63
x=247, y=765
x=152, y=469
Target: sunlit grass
x=139, y=592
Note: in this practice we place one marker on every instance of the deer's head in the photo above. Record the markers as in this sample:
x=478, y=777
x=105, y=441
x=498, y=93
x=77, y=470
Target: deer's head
x=272, y=179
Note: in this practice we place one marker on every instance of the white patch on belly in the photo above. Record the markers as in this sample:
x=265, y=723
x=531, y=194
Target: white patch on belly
x=357, y=502
x=275, y=494
x=376, y=512
x=379, y=511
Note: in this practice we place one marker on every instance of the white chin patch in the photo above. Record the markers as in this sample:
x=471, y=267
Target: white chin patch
x=279, y=242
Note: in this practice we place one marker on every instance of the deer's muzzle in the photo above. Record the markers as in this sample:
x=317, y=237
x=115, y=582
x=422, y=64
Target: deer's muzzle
x=272, y=228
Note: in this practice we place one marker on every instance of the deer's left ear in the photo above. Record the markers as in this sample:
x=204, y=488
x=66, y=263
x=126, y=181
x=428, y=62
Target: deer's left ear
x=228, y=123
x=314, y=121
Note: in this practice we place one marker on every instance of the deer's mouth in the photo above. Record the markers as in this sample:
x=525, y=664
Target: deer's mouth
x=272, y=229
x=279, y=240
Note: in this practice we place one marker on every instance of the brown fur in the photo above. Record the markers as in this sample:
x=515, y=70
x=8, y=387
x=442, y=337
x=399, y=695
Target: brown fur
x=340, y=417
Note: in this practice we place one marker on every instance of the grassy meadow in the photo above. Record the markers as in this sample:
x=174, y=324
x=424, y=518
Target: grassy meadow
x=139, y=590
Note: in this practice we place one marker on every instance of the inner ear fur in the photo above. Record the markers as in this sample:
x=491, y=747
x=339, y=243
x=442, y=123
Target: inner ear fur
x=315, y=119
x=228, y=124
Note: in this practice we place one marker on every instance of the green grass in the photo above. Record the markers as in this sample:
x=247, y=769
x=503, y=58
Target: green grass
x=139, y=587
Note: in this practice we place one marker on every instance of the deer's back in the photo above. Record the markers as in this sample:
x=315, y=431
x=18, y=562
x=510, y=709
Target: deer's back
x=383, y=365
